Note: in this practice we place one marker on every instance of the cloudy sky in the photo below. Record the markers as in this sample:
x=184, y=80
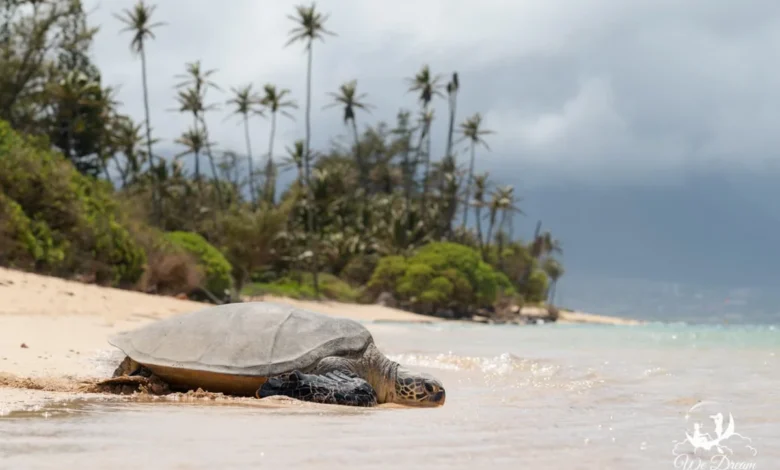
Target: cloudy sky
x=595, y=91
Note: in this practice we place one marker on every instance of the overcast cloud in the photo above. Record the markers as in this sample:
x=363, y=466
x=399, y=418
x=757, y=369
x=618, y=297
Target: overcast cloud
x=594, y=89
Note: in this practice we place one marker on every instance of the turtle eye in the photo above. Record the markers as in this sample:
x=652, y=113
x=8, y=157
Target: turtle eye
x=428, y=387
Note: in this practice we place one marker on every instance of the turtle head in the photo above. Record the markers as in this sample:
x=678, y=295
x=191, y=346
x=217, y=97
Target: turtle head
x=418, y=389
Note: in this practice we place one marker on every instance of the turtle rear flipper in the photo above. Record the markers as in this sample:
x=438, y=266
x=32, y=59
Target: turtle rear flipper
x=129, y=384
x=335, y=388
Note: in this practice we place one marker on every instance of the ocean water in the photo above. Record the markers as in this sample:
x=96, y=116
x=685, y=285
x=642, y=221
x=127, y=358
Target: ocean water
x=670, y=301
x=518, y=397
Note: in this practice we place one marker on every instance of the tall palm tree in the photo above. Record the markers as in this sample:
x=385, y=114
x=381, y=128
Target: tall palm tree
x=245, y=102
x=427, y=86
x=452, y=93
x=471, y=129
x=310, y=25
x=274, y=100
x=350, y=100
x=139, y=22
x=190, y=101
x=199, y=82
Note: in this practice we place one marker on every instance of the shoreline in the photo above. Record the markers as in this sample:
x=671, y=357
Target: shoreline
x=53, y=332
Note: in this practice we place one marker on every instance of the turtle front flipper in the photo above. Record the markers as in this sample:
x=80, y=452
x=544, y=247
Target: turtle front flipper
x=335, y=388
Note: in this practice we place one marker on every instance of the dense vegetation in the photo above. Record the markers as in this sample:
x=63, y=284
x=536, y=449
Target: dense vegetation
x=85, y=192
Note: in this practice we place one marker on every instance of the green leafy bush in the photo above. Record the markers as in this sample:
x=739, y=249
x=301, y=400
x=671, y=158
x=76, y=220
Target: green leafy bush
x=216, y=268
x=331, y=287
x=438, y=276
x=66, y=223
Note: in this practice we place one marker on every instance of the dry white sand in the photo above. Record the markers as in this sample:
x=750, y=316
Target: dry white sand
x=52, y=330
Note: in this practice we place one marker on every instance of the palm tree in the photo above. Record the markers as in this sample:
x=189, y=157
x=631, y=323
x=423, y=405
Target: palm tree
x=404, y=132
x=480, y=188
x=452, y=93
x=348, y=97
x=428, y=86
x=107, y=147
x=472, y=130
x=502, y=201
x=199, y=83
x=139, y=22
x=295, y=159
x=544, y=245
x=310, y=25
x=191, y=102
x=194, y=140
x=554, y=270
x=275, y=102
x=73, y=92
x=128, y=139
x=196, y=77
x=245, y=102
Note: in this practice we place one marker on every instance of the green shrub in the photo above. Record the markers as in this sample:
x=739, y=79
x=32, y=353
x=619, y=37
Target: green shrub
x=67, y=223
x=440, y=275
x=216, y=268
x=21, y=247
x=302, y=287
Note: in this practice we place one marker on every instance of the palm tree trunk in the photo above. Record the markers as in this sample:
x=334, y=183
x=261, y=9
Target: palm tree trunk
x=307, y=169
x=468, y=188
x=489, y=238
x=408, y=180
x=197, y=171
x=477, y=212
x=212, y=164
x=252, y=191
x=528, y=268
x=156, y=200
x=500, y=247
x=453, y=104
x=408, y=174
x=270, y=176
x=359, y=158
x=196, y=125
x=426, y=136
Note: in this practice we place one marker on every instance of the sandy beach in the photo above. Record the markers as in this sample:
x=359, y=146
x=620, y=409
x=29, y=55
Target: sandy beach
x=51, y=329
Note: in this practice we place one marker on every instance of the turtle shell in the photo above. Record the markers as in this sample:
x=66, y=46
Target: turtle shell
x=234, y=348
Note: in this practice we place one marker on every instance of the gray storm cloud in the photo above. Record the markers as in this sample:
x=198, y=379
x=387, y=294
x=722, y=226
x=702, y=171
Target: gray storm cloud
x=597, y=88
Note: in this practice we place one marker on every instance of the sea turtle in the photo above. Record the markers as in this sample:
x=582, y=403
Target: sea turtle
x=263, y=349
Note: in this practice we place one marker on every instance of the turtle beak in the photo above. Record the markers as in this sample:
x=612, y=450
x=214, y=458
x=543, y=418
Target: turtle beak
x=439, y=397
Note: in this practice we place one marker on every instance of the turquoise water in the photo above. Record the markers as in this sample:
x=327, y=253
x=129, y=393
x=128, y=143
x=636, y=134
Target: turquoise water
x=544, y=397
